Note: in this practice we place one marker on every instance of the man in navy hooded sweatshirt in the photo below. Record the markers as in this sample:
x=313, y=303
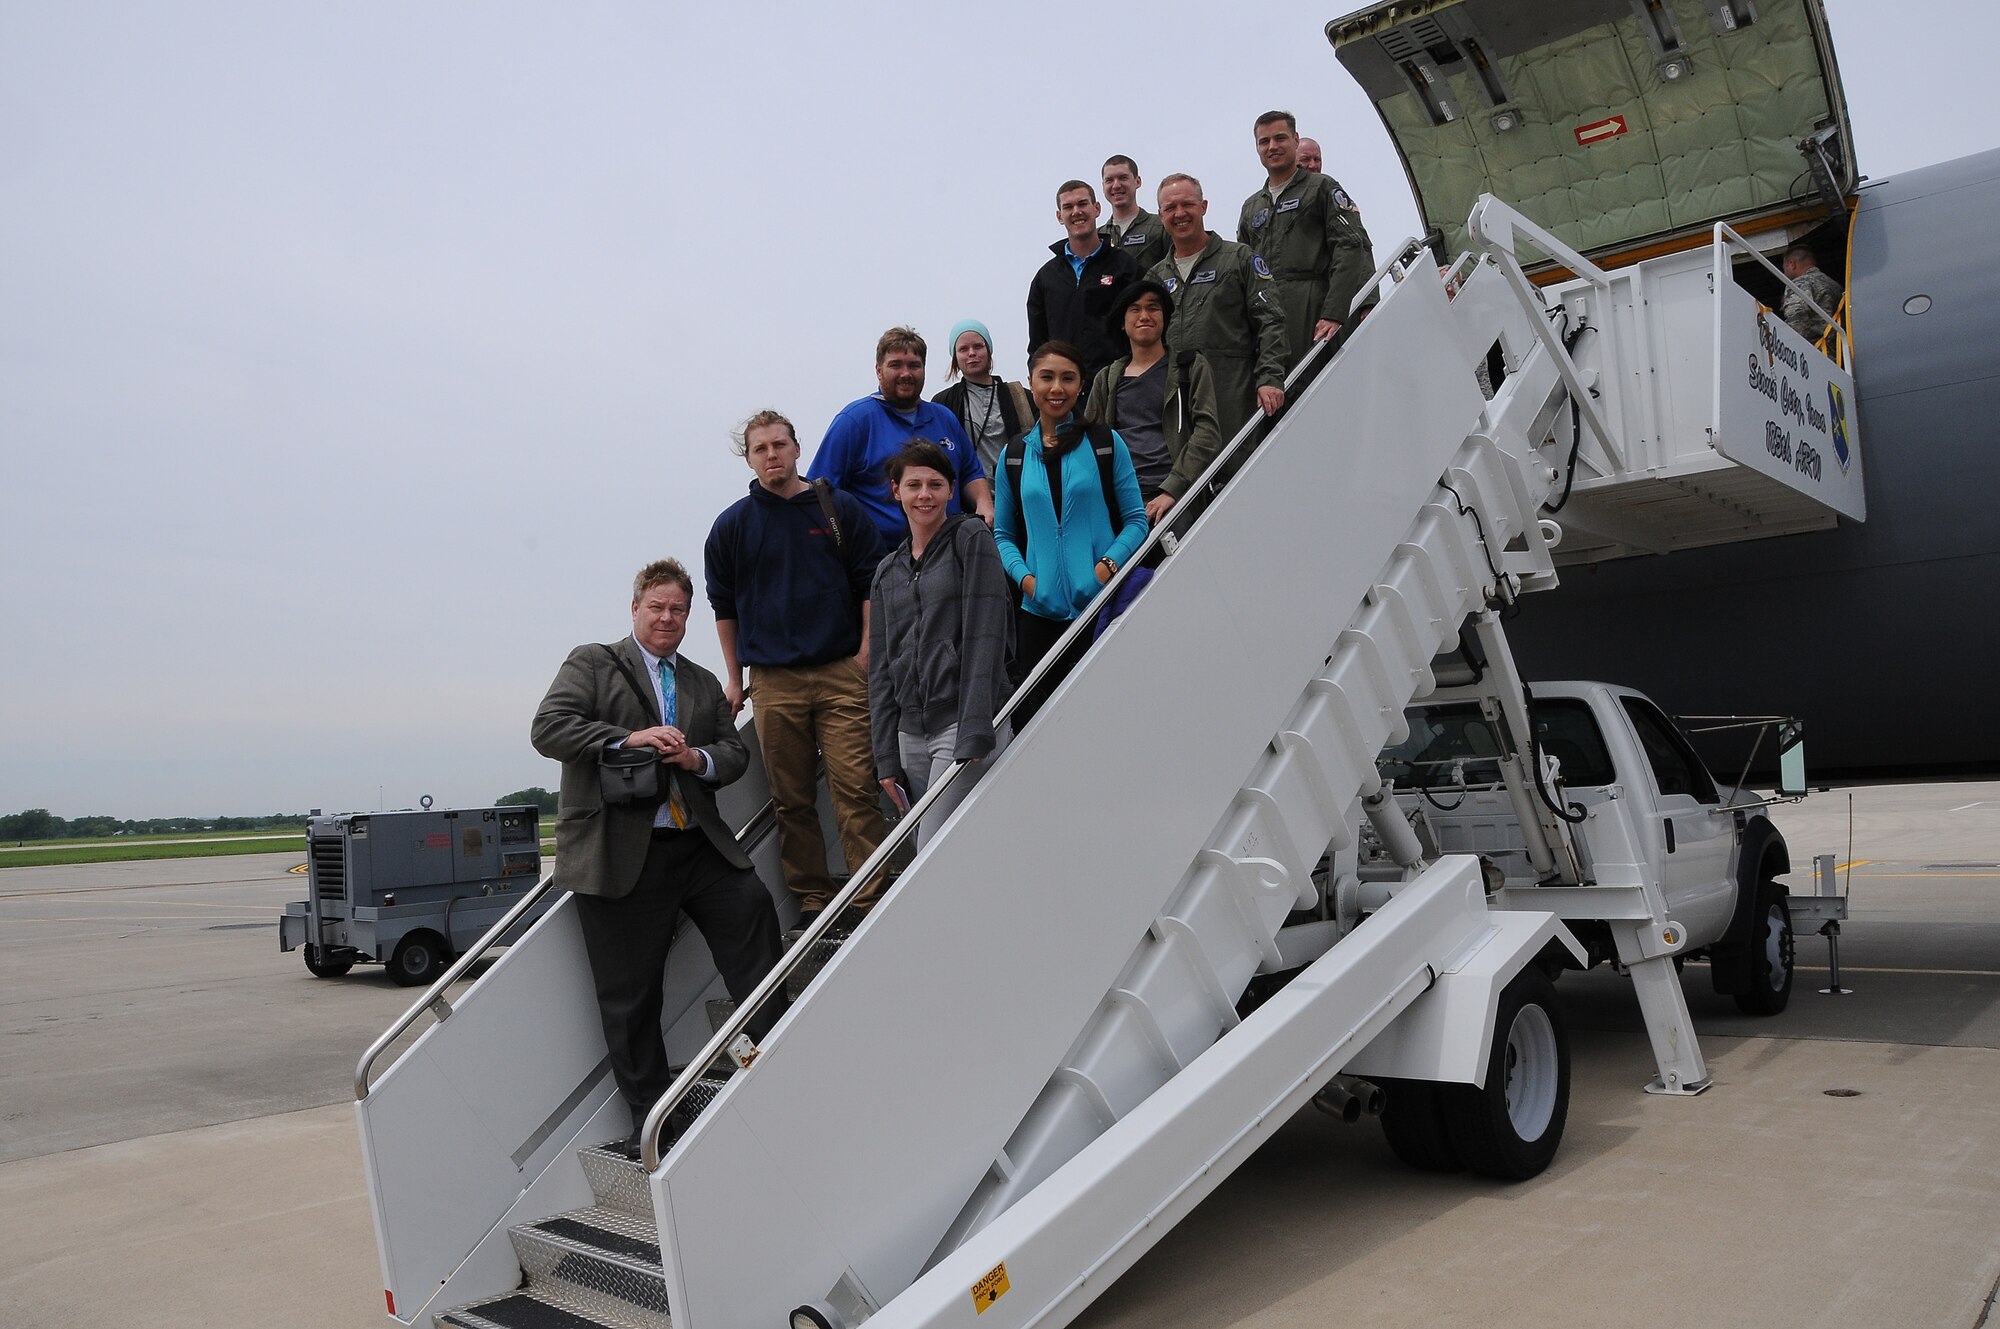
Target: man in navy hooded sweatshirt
x=789, y=568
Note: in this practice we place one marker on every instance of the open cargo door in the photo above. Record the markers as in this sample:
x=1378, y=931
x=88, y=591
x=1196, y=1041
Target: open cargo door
x=1623, y=126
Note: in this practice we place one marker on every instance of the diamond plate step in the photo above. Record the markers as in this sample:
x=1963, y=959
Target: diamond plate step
x=533, y=1310
x=814, y=960
x=618, y=1183
x=699, y=1096
x=598, y=1262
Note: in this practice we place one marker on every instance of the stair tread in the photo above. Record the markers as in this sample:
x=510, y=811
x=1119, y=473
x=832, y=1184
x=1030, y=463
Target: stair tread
x=522, y=1310
x=605, y=1230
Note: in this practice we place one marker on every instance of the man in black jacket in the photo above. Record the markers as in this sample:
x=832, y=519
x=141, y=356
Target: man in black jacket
x=1074, y=290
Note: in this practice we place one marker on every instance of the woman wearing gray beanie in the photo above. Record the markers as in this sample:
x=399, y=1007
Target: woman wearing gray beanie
x=993, y=411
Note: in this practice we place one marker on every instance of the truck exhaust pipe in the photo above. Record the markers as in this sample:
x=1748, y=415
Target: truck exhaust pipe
x=1349, y=1099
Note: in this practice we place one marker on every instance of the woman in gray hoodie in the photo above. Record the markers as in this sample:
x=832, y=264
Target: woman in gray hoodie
x=939, y=618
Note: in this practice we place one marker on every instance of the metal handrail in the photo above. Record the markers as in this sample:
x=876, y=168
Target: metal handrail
x=1178, y=518
x=1498, y=228
x=434, y=998
x=1846, y=343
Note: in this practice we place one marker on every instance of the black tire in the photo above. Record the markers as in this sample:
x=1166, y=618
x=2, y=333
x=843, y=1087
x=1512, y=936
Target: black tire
x=1510, y=1127
x=327, y=962
x=418, y=959
x=1413, y=1122
x=1772, y=943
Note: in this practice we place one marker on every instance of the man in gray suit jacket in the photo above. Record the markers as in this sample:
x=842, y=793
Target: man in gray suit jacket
x=634, y=867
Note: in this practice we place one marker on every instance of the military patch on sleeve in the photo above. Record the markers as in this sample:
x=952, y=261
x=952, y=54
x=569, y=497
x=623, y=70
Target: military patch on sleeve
x=1257, y=222
x=1173, y=284
x=1340, y=198
x=1257, y=262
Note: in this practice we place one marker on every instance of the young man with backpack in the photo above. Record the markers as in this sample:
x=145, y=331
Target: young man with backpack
x=1162, y=406
x=789, y=568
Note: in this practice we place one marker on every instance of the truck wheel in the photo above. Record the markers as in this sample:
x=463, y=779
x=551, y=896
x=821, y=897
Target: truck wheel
x=1509, y=1127
x=328, y=963
x=1771, y=945
x=1413, y=1122
x=418, y=959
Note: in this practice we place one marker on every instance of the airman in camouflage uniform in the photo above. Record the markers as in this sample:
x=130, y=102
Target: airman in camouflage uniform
x=1225, y=305
x=1802, y=266
x=1309, y=235
x=1131, y=228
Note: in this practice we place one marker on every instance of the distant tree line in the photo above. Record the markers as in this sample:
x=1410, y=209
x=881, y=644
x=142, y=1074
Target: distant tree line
x=41, y=824
x=534, y=794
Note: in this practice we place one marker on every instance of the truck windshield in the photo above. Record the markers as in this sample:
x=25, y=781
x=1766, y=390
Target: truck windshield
x=1452, y=744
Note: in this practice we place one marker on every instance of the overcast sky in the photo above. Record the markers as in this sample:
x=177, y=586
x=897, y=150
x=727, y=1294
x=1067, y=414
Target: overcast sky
x=353, y=356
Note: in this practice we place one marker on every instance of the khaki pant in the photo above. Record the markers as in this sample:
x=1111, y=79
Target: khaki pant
x=803, y=714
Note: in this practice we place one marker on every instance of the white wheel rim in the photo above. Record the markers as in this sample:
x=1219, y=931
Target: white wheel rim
x=1777, y=940
x=1532, y=1071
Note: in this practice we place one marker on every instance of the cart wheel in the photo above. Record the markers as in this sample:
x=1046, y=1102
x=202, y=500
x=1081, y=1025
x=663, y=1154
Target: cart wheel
x=418, y=959
x=328, y=963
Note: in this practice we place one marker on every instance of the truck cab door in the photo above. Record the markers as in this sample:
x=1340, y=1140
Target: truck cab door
x=1699, y=874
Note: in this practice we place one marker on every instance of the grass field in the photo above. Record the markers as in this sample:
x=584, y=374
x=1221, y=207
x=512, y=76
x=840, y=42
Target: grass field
x=131, y=848
x=70, y=842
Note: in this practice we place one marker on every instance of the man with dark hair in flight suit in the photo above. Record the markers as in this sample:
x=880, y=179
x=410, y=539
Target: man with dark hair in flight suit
x=1131, y=228
x=1308, y=233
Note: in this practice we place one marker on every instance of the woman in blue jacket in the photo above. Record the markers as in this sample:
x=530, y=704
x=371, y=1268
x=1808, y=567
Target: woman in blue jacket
x=1066, y=513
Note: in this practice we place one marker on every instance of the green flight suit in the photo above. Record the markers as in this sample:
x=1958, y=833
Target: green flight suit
x=1235, y=317
x=1145, y=239
x=1312, y=241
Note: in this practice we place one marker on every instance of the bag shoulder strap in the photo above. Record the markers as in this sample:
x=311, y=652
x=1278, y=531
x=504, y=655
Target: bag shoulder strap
x=645, y=694
x=823, y=490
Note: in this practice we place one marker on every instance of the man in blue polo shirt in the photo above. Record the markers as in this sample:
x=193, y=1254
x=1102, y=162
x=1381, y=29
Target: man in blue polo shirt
x=854, y=455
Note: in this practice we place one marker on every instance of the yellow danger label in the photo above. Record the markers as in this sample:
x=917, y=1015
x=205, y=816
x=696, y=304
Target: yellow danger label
x=990, y=1288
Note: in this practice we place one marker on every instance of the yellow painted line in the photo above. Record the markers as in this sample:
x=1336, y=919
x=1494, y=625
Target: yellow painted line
x=1857, y=863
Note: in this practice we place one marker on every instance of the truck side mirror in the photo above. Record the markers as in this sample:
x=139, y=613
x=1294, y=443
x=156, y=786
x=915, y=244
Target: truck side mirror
x=1791, y=760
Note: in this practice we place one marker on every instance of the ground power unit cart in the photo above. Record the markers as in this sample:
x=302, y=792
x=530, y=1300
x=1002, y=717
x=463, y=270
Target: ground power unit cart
x=409, y=889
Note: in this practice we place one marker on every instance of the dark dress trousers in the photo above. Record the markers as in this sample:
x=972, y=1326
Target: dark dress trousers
x=632, y=882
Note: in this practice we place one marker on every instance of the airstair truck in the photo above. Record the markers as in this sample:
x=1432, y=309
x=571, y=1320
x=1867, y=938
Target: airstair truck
x=1035, y=1055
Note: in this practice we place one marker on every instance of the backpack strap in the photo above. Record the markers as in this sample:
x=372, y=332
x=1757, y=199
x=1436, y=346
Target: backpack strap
x=823, y=490
x=1014, y=455
x=1183, y=388
x=1101, y=443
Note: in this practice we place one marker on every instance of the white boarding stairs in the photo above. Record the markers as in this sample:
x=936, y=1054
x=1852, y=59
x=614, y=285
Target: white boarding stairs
x=1026, y=1064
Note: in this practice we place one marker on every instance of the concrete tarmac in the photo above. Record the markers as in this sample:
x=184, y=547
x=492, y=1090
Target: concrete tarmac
x=178, y=1150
